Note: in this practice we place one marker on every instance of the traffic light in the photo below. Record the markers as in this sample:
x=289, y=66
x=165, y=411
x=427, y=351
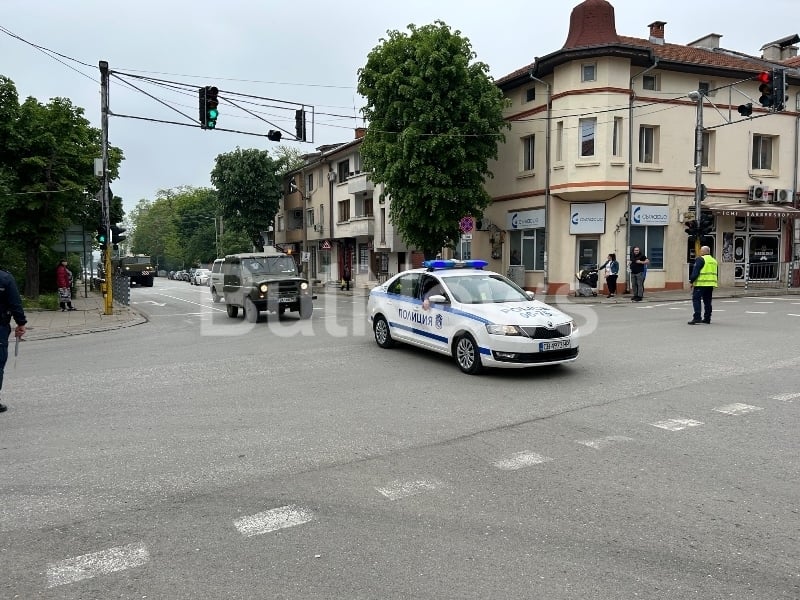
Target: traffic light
x=100, y=236
x=767, y=89
x=781, y=89
x=209, y=103
x=300, y=124
x=745, y=109
x=706, y=224
x=691, y=230
x=273, y=135
x=116, y=234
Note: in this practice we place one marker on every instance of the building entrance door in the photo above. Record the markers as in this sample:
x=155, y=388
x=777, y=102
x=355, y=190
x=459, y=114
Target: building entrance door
x=587, y=254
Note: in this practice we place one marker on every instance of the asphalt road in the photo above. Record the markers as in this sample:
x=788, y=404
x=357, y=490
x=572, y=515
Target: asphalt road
x=198, y=456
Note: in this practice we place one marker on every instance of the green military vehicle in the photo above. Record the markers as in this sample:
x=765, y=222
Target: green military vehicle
x=138, y=268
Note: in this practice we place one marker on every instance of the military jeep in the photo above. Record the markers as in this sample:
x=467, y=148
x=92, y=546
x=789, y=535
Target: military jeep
x=264, y=281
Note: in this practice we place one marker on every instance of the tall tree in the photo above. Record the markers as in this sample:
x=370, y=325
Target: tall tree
x=47, y=178
x=435, y=120
x=250, y=190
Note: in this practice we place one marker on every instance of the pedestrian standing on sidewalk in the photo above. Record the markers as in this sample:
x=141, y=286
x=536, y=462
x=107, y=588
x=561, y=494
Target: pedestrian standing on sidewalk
x=346, y=278
x=611, y=267
x=638, y=264
x=703, y=280
x=64, y=285
x=10, y=306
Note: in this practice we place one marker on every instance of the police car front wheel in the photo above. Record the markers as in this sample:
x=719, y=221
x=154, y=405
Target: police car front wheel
x=383, y=336
x=467, y=355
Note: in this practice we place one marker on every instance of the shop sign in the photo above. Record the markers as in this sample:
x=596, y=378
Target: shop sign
x=644, y=214
x=525, y=219
x=587, y=218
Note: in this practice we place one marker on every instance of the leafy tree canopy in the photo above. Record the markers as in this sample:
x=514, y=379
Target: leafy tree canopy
x=249, y=188
x=435, y=120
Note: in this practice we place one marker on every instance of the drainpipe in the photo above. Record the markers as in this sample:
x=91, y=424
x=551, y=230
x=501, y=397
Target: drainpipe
x=631, y=98
x=547, y=155
x=796, y=228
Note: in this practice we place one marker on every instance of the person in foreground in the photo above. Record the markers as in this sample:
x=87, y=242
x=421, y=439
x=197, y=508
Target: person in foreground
x=10, y=306
x=703, y=280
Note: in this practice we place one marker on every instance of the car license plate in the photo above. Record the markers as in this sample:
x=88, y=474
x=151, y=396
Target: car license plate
x=285, y=300
x=556, y=345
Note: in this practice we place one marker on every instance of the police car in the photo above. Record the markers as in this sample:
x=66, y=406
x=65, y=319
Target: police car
x=478, y=317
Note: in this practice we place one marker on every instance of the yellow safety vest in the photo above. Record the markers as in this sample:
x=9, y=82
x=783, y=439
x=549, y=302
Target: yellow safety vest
x=708, y=274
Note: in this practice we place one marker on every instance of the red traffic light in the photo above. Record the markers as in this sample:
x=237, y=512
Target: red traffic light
x=765, y=77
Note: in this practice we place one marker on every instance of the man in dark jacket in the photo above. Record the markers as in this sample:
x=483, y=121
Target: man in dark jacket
x=10, y=306
x=703, y=280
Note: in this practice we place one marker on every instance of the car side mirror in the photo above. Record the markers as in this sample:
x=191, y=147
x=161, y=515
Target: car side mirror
x=531, y=295
x=437, y=299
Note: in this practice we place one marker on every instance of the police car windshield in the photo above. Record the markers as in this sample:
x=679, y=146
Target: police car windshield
x=483, y=289
x=271, y=265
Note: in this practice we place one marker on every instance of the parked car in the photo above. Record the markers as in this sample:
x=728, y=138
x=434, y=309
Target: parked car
x=200, y=277
x=478, y=317
x=216, y=280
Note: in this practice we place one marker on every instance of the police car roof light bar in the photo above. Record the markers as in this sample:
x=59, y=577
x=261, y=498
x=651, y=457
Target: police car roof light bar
x=454, y=264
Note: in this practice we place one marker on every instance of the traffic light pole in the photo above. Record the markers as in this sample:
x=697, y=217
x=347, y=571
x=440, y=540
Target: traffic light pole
x=698, y=165
x=105, y=203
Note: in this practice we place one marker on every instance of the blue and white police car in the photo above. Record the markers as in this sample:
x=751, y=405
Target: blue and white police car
x=478, y=317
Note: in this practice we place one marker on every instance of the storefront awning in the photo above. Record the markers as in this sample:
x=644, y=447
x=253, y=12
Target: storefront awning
x=752, y=210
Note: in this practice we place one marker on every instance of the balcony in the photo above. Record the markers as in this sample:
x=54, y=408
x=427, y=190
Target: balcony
x=359, y=182
x=355, y=227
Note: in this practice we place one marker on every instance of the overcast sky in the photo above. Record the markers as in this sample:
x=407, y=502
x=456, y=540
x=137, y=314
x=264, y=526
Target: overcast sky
x=292, y=52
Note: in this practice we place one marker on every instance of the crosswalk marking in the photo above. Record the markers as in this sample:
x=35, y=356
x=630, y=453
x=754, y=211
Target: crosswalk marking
x=404, y=489
x=91, y=565
x=737, y=408
x=272, y=520
x=521, y=460
x=602, y=442
x=755, y=312
x=676, y=424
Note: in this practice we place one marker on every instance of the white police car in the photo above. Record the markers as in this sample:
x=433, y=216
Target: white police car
x=478, y=317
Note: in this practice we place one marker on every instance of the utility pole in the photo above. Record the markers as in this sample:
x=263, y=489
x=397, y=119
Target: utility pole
x=105, y=202
x=698, y=167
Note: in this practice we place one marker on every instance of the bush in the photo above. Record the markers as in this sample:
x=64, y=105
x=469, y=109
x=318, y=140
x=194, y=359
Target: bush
x=45, y=302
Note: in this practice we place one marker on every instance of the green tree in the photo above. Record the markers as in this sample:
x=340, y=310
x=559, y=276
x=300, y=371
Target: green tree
x=435, y=120
x=289, y=158
x=47, y=178
x=250, y=190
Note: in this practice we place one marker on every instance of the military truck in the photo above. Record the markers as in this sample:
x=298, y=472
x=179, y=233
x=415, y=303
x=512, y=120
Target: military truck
x=138, y=268
x=264, y=281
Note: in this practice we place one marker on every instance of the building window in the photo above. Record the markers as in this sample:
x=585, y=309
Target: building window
x=357, y=162
x=364, y=207
x=707, y=88
x=529, y=243
x=527, y=152
x=464, y=249
x=588, y=129
x=310, y=217
x=616, y=144
x=648, y=144
x=530, y=94
x=279, y=223
x=309, y=183
x=762, y=152
x=650, y=82
x=708, y=149
x=650, y=239
x=344, y=211
x=343, y=170
x=589, y=72
x=560, y=141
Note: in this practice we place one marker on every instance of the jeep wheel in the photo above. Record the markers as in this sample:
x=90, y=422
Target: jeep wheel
x=383, y=337
x=214, y=296
x=467, y=354
x=306, y=310
x=233, y=311
x=250, y=311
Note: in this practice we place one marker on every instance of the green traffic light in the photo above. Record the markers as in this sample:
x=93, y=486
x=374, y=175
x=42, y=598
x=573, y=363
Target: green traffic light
x=213, y=113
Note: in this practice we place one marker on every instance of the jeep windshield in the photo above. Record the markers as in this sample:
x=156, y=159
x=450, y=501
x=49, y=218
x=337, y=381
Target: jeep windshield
x=271, y=265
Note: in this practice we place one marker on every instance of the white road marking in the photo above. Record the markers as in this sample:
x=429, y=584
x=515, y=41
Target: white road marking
x=786, y=397
x=602, y=442
x=91, y=565
x=761, y=298
x=403, y=489
x=677, y=308
x=792, y=315
x=676, y=424
x=768, y=302
x=521, y=460
x=731, y=301
x=754, y=312
x=272, y=520
x=195, y=303
x=737, y=408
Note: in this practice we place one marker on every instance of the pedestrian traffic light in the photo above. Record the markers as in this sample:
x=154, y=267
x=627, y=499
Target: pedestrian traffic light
x=300, y=124
x=273, y=135
x=767, y=89
x=209, y=103
x=100, y=236
x=116, y=234
x=745, y=109
x=781, y=89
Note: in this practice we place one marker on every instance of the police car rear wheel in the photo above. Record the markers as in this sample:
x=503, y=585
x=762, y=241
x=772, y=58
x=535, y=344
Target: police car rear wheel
x=383, y=336
x=466, y=354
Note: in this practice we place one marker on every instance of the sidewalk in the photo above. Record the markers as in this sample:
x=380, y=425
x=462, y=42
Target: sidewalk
x=89, y=318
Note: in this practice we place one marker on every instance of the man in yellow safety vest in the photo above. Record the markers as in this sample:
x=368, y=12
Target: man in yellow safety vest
x=703, y=280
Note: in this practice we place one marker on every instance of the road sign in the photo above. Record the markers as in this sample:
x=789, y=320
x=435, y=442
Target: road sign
x=326, y=244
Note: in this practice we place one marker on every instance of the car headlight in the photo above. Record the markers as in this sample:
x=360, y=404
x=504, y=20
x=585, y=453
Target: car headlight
x=304, y=286
x=263, y=288
x=503, y=329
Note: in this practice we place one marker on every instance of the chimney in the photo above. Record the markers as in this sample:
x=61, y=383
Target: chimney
x=657, y=32
x=360, y=131
x=709, y=42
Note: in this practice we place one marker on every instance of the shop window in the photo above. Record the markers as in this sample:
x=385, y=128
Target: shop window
x=650, y=239
x=529, y=243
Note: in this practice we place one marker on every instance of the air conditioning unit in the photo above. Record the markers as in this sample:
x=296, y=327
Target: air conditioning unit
x=331, y=175
x=783, y=196
x=318, y=227
x=482, y=224
x=757, y=193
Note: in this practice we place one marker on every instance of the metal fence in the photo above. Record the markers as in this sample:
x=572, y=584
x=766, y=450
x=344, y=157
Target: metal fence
x=766, y=275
